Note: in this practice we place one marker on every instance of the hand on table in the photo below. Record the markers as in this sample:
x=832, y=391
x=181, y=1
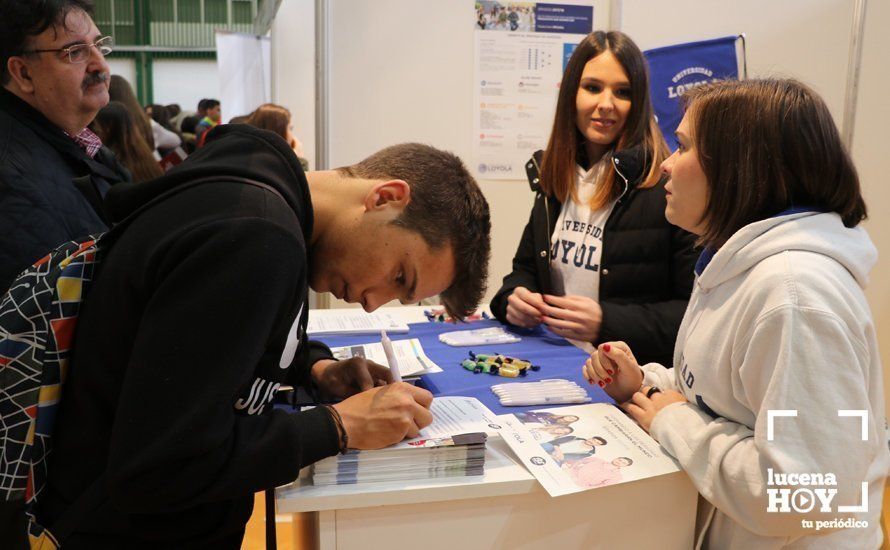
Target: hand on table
x=573, y=316
x=614, y=368
x=380, y=417
x=524, y=307
x=643, y=409
x=341, y=379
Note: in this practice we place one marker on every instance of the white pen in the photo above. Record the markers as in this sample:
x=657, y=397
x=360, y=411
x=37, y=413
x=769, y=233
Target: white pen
x=545, y=388
x=556, y=382
x=541, y=394
x=390, y=357
x=518, y=387
x=554, y=400
x=548, y=388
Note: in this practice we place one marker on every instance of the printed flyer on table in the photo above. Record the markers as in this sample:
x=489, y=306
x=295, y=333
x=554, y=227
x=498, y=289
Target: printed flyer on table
x=572, y=449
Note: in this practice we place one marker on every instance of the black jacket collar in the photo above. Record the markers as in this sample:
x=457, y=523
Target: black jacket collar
x=46, y=130
x=74, y=155
x=632, y=163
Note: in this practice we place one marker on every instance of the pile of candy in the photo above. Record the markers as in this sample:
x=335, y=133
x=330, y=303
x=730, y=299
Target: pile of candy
x=501, y=365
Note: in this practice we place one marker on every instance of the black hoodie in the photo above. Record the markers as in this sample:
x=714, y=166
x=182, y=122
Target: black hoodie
x=646, y=265
x=197, y=315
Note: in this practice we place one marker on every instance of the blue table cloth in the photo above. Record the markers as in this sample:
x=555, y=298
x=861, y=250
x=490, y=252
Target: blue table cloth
x=557, y=358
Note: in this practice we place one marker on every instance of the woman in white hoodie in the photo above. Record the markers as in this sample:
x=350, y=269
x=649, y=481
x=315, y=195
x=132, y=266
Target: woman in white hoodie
x=775, y=404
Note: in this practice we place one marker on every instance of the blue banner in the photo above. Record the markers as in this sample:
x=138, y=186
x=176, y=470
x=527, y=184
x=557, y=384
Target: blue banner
x=563, y=18
x=567, y=51
x=674, y=69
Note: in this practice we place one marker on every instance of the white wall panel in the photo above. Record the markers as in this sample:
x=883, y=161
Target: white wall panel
x=186, y=81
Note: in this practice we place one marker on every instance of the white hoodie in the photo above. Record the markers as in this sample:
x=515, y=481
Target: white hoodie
x=778, y=321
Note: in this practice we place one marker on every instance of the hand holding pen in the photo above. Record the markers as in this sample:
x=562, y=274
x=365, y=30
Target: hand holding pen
x=383, y=416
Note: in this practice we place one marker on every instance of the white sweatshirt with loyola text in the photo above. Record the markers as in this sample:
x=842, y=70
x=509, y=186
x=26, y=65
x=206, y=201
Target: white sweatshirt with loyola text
x=778, y=322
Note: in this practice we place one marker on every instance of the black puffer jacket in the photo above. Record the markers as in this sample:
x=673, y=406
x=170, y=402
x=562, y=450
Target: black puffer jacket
x=50, y=190
x=646, y=267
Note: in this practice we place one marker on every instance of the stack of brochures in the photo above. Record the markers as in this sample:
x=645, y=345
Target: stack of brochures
x=458, y=455
x=453, y=445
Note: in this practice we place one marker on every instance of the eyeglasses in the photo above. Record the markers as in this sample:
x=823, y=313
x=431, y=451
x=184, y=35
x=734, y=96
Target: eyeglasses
x=79, y=53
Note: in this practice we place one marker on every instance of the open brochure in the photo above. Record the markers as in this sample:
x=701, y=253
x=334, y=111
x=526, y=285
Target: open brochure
x=572, y=449
x=453, y=445
x=351, y=321
x=413, y=362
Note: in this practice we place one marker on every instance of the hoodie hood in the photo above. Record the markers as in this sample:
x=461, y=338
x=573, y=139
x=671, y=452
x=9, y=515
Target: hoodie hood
x=231, y=150
x=818, y=232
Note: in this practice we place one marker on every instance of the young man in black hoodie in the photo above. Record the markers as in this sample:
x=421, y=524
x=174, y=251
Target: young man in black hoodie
x=198, y=316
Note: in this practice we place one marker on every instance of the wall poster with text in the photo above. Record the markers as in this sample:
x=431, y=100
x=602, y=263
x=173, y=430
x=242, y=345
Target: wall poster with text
x=520, y=52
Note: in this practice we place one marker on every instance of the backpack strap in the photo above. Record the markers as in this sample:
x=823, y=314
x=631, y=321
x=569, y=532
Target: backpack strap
x=271, y=533
x=95, y=494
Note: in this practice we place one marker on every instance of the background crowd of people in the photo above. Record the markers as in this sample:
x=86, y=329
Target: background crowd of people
x=151, y=139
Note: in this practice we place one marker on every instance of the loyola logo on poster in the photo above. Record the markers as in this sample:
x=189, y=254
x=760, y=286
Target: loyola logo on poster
x=802, y=493
x=495, y=168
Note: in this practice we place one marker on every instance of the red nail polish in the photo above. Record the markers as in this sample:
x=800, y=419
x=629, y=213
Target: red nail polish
x=610, y=372
x=607, y=348
x=601, y=383
x=608, y=380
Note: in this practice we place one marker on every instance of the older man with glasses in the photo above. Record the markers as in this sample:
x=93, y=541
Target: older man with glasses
x=54, y=172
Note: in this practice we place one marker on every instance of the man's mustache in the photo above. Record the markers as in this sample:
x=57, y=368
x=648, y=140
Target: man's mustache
x=97, y=77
